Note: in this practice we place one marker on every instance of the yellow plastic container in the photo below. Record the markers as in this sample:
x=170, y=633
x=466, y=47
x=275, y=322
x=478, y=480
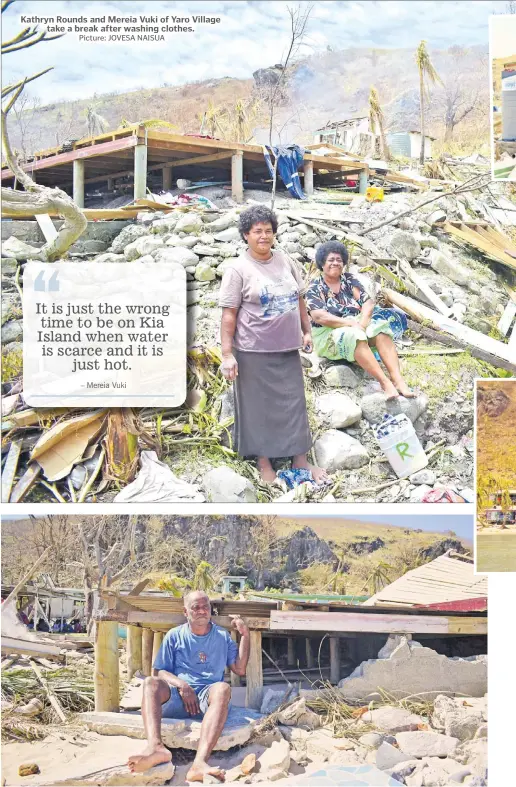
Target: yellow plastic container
x=374, y=194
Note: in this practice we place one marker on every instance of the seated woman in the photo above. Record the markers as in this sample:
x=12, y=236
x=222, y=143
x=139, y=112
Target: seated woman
x=343, y=324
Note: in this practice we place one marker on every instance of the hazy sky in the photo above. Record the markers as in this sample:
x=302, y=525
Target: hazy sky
x=250, y=35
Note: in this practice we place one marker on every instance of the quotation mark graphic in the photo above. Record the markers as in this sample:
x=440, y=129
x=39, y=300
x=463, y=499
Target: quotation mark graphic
x=40, y=285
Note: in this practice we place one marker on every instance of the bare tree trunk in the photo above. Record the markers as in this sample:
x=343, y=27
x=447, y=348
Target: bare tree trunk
x=38, y=199
x=422, y=116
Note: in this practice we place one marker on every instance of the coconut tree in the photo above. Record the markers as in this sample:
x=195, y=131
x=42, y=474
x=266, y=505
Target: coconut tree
x=427, y=75
x=376, y=121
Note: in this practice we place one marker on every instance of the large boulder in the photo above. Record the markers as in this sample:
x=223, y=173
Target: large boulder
x=426, y=744
x=405, y=245
x=127, y=236
x=376, y=405
x=229, y=234
x=223, y=485
x=204, y=272
x=142, y=246
x=179, y=254
x=12, y=331
x=13, y=247
x=391, y=719
x=458, y=717
x=336, y=450
x=163, y=226
x=222, y=223
x=447, y=266
x=340, y=376
x=338, y=410
x=190, y=223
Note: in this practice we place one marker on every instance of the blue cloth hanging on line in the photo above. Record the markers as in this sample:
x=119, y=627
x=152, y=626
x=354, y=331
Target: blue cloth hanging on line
x=290, y=157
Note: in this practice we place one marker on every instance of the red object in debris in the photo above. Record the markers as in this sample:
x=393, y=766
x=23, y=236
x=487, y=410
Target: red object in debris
x=442, y=496
x=461, y=605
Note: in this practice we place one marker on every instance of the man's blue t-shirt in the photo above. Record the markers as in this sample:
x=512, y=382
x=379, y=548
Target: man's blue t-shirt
x=200, y=661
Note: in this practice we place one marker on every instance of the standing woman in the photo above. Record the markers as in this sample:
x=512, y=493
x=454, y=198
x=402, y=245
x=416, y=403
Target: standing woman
x=264, y=324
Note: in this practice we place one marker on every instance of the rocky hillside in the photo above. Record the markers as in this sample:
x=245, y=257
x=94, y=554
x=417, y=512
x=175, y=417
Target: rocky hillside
x=270, y=551
x=327, y=85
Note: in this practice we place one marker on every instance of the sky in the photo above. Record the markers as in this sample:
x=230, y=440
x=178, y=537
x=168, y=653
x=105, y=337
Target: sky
x=250, y=35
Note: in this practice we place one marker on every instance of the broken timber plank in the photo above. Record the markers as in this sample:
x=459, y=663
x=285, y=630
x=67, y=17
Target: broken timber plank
x=28, y=647
x=507, y=317
x=463, y=333
x=9, y=471
x=25, y=483
x=48, y=691
x=436, y=336
x=46, y=226
x=425, y=288
x=381, y=623
x=473, y=238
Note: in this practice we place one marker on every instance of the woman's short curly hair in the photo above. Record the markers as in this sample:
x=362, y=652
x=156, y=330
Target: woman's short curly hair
x=255, y=215
x=332, y=246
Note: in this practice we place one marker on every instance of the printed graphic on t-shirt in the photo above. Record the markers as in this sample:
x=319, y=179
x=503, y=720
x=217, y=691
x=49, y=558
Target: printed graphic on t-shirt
x=279, y=297
x=203, y=658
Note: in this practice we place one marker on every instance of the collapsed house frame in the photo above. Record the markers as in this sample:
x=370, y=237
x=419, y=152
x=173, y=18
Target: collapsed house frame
x=137, y=151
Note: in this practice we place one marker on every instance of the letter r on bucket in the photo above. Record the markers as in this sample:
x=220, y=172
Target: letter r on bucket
x=402, y=449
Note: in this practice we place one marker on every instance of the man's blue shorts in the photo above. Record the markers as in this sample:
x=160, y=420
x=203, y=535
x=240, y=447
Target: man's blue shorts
x=174, y=708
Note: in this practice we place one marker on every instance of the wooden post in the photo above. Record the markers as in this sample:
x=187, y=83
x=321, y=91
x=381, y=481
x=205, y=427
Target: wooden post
x=237, y=176
x=363, y=180
x=156, y=644
x=273, y=648
x=110, y=184
x=291, y=652
x=78, y=182
x=140, y=171
x=334, y=660
x=134, y=650
x=167, y=178
x=254, y=674
x=236, y=680
x=309, y=178
x=310, y=661
x=147, y=641
x=107, y=668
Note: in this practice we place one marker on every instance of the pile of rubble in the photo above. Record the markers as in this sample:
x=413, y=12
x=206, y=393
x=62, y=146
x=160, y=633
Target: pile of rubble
x=413, y=254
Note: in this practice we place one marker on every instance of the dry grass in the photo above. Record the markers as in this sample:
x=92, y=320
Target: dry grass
x=496, y=438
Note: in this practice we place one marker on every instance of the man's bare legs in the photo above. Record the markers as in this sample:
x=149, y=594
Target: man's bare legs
x=365, y=358
x=155, y=692
x=389, y=356
x=211, y=728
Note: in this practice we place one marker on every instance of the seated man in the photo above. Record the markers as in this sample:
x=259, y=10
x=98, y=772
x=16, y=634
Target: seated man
x=188, y=682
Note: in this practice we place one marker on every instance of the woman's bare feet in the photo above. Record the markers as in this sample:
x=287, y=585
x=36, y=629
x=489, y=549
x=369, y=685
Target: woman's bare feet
x=404, y=390
x=201, y=769
x=267, y=471
x=319, y=475
x=390, y=390
x=152, y=755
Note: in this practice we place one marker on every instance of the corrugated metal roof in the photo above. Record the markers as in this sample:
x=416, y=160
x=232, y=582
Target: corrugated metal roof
x=449, y=577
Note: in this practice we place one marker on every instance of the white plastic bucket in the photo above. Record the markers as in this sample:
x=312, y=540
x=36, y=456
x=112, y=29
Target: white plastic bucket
x=403, y=449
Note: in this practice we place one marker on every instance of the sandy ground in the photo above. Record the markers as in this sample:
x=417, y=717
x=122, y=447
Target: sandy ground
x=491, y=531
x=72, y=755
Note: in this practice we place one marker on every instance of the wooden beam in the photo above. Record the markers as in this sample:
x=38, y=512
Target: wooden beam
x=78, y=182
x=473, y=238
x=106, y=675
x=443, y=338
x=291, y=652
x=308, y=184
x=254, y=674
x=380, y=623
x=463, y=333
x=156, y=644
x=173, y=619
x=140, y=171
x=30, y=648
x=334, y=660
x=147, y=643
x=310, y=660
x=67, y=158
x=237, y=177
x=134, y=650
x=10, y=467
